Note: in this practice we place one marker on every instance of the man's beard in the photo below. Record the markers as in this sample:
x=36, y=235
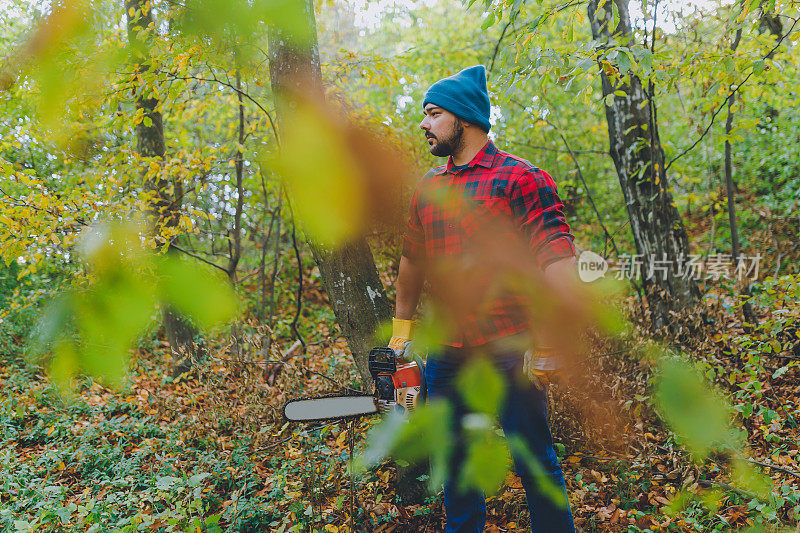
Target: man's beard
x=451, y=144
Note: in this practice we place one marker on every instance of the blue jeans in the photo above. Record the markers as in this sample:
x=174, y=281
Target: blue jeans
x=523, y=414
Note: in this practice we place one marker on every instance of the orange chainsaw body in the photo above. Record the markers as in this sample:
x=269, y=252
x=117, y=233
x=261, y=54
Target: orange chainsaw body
x=396, y=385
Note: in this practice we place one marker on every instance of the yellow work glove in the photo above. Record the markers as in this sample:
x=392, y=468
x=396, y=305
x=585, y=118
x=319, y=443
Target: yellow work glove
x=401, y=339
x=541, y=366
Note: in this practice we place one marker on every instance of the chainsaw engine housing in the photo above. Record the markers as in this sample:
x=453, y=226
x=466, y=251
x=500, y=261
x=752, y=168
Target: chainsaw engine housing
x=396, y=386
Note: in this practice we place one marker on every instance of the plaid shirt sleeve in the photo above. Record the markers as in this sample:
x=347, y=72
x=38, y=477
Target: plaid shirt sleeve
x=540, y=213
x=414, y=236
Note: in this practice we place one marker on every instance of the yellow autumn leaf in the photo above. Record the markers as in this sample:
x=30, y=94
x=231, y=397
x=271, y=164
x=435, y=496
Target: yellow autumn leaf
x=325, y=182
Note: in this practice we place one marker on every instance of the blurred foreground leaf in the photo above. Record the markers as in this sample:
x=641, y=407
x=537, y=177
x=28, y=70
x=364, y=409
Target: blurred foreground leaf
x=196, y=290
x=323, y=178
x=239, y=22
x=91, y=330
x=423, y=435
x=746, y=475
x=64, y=365
x=64, y=64
x=431, y=331
x=486, y=463
x=543, y=481
x=481, y=386
x=700, y=417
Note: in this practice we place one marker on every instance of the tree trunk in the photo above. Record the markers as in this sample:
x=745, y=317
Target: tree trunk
x=168, y=196
x=235, y=236
x=635, y=147
x=736, y=251
x=348, y=273
x=769, y=22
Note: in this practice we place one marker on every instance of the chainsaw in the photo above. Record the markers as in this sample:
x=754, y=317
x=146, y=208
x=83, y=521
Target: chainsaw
x=400, y=387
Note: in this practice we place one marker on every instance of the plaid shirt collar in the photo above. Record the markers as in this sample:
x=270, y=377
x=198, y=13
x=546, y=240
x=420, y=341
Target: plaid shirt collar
x=484, y=158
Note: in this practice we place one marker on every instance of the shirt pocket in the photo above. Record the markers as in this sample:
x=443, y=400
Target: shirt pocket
x=486, y=213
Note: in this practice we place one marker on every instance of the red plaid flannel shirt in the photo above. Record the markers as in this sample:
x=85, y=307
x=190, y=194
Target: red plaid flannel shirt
x=505, y=185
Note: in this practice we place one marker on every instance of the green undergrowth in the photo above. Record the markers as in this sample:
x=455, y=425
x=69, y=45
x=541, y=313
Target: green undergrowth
x=99, y=460
x=96, y=463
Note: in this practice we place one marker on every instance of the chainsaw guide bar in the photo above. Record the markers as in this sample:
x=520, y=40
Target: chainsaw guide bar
x=331, y=407
x=397, y=387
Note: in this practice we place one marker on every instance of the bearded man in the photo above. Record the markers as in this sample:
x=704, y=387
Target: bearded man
x=478, y=186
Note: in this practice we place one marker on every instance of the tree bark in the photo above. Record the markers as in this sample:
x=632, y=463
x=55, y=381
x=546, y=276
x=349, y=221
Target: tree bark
x=168, y=196
x=351, y=280
x=635, y=148
x=769, y=22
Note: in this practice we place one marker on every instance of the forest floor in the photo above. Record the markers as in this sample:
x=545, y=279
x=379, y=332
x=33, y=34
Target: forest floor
x=210, y=452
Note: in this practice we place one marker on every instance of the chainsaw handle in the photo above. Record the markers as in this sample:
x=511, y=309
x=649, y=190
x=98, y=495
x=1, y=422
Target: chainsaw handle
x=381, y=360
x=423, y=385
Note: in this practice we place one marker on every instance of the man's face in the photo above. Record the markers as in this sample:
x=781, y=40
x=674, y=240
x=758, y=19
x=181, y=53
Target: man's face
x=443, y=130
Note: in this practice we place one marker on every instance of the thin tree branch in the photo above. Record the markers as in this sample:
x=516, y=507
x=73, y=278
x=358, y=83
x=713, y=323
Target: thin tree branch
x=557, y=150
x=235, y=243
x=276, y=263
x=313, y=428
x=273, y=127
x=499, y=41
x=727, y=99
x=174, y=246
x=262, y=280
x=586, y=188
x=580, y=176
x=774, y=467
x=299, y=285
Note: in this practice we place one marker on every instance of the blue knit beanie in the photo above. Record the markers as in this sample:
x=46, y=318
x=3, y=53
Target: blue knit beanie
x=463, y=94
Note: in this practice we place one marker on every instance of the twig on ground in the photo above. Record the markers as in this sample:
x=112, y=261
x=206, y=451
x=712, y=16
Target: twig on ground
x=773, y=467
x=727, y=486
x=273, y=444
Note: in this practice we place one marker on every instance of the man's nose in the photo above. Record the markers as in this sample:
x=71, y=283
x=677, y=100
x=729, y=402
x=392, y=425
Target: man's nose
x=424, y=124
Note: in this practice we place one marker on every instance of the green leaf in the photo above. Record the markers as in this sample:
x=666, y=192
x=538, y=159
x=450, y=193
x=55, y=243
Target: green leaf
x=109, y=316
x=238, y=22
x=165, y=483
x=647, y=58
x=425, y=434
x=745, y=475
x=197, y=479
x=623, y=62
x=481, y=386
x=781, y=371
x=544, y=482
x=196, y=290
x=120, y=302
x=697, y=415
x=488, y=21
x=64, y=365
x=486, y=464
x=55, y=320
